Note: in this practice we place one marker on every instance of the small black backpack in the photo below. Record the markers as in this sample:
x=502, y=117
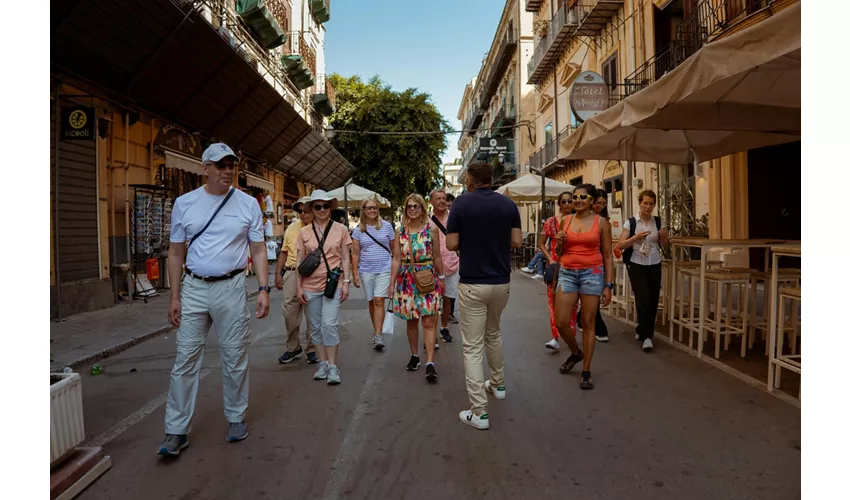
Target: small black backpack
x=627, y=253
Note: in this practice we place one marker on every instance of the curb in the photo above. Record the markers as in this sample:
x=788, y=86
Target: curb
x=122, y=346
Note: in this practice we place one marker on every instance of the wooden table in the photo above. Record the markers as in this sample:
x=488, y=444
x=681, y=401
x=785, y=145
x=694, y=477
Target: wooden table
x=706, y=244
x=786, y=250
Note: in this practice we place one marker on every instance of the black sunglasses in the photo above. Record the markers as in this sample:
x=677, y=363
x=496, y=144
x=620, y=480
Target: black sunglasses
x=323, y=206
x=299, y=211
x=564, y=201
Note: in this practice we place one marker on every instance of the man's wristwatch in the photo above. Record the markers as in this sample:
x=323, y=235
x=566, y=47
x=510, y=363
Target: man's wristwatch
x=264, y=289
x=609, y=285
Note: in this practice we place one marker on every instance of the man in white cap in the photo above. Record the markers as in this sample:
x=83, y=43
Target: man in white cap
x=285, y=279
x=213, y=229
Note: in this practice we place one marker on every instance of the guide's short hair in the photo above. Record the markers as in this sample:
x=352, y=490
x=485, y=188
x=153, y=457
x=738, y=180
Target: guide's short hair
x=480, y=172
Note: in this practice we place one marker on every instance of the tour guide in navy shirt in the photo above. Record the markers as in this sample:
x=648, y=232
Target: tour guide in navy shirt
x=484, y=226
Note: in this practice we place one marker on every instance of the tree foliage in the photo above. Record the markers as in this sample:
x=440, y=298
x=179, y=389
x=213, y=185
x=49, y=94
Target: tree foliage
x=391, y=165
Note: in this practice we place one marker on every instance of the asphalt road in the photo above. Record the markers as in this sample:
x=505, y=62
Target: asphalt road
x=660, y=425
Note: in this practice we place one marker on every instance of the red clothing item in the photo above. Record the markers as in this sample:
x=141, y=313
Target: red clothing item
x=583, y=250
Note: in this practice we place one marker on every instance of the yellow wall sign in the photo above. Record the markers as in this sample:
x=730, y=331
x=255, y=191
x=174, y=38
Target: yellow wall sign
x=77, y=124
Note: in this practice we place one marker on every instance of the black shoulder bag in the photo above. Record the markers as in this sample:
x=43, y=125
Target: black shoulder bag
x=627, y=253
x=217, y=210
x=311, y=262
x=332, y=280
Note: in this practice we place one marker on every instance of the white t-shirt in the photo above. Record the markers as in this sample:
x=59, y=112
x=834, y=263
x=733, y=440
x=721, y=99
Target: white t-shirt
x=271, y=250
x=654, y=256
x=224, y=245
x=269, y=229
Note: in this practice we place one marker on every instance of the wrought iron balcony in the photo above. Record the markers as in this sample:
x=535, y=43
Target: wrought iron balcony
x=547, y=156
x=324, y=96
x=299, y=61
x=266, y=19
x=595, y=14
x=503, y=121
x=533, y=5
x=321, y=10
x=507, y=48
x=708, y=19
x=474, y=121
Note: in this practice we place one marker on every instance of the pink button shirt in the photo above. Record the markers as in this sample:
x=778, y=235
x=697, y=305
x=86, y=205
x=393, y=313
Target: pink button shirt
x=451, y=261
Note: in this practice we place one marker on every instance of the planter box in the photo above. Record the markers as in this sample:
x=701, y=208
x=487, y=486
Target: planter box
x=66, y=415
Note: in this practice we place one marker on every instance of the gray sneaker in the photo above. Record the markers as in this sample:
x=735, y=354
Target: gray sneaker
x=237, y=432
x=322, y=372
x=333, y=375
x=378, y=342
x=173, y=444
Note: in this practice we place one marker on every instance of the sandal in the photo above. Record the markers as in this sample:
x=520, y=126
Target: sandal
x=586, y=383
x=571, y=362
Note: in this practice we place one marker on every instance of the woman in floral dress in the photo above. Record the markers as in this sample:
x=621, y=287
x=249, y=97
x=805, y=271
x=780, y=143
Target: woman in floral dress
x=412, y=251
x=550, y=229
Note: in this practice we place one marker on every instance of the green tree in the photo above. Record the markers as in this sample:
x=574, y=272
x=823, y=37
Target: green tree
x=392, y=165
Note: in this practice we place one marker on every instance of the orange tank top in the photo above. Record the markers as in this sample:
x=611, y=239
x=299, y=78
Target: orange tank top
x=583, y=250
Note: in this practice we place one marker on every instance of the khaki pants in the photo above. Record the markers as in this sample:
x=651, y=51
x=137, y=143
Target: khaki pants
x=223, y=304
x=292, y=313
x=481, y=310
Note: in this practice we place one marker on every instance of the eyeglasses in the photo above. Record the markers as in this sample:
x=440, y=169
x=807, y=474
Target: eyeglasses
x=370, y=208
x=413, y=207
x=323, y=206
x=226, y=164
x=582, y=197
x=299, y=211
x=564, y=202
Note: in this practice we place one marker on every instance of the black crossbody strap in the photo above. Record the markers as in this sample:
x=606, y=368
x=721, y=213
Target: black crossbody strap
x=378, y=242
x=322, y=242
x=439, y=224
x=217, y=210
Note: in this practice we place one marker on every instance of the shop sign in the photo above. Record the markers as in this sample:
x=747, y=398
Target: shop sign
x=613, y=169
x=77, y=124
x=177, y=139
x=493, y=145
x=588, y=95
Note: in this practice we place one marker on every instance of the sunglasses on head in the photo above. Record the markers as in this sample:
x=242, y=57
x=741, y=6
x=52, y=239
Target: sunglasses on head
x=581, y=197
x=412, y=206
x=323, y=206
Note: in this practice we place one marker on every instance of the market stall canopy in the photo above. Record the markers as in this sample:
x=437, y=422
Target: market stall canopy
x=173, y=159
x=739, y=93
x=358, y=194
x=529, y=188
x=124, y=49
x=259, y=182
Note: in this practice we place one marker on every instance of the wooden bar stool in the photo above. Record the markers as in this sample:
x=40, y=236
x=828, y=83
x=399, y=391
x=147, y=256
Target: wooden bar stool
x=779, y=359
x=688, y=317
x=621, y=298
x=727, y=324
x=788, y=278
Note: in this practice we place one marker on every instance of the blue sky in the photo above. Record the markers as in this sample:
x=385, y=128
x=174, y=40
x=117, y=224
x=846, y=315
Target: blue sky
x=433, y=45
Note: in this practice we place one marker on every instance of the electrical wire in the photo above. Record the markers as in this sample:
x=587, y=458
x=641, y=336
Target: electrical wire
x=428, y=132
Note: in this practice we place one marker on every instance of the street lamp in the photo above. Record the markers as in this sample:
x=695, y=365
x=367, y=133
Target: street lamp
x=330, y=132
x=501, y=158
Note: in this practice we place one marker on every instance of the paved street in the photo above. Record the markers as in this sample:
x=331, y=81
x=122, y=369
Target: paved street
x=663, y=425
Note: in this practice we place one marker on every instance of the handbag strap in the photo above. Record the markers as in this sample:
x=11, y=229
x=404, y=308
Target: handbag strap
x=439, y=224
x=217, y=210
x=322, y=242
x=564, y=228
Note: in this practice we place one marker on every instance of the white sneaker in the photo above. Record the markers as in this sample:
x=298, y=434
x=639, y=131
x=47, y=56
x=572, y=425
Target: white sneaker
x=527, y=270
x=637, y=337
x=471, y=419
x=553, y=344
x=498, y=392
x=602, y=338
x=647, y=345
x=537, y=277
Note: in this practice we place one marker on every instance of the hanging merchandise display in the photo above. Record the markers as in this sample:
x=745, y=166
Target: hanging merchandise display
x=150, y=222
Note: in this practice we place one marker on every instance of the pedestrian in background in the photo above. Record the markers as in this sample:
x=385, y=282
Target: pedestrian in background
x=326, y=287
x=221, y=221
x=484, y=225
x=416, y=278
x=548, y=245
x=286, y=279
x=600, y=208
x=372, y=263
x=451, y=261
x=585, y=275
x=450, y=198
x=642, y=256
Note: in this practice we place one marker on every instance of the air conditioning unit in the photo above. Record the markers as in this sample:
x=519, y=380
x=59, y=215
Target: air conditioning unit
x=66, y=415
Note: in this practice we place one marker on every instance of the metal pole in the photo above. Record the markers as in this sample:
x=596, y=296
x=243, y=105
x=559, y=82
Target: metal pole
x=57, y=125
x=345, y=198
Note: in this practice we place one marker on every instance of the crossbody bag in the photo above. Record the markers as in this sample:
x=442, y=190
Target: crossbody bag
x=423, y=279
x=311, y=262
x=332, y=280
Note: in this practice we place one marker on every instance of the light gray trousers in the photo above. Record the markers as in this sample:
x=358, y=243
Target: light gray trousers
x=225, y=305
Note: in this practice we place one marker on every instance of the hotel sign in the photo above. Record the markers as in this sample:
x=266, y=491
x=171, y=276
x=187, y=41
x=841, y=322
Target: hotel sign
x=588, y=95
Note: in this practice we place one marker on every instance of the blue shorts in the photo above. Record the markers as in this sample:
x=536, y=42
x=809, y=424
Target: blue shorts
x=588, y=281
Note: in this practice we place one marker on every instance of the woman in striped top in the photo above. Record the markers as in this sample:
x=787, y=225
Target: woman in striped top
x=372, y=258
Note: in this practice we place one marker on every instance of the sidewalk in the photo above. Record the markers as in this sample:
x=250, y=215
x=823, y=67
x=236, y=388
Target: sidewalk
x=82, y=339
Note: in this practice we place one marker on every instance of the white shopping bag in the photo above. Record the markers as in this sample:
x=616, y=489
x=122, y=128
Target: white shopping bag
x=389, y=320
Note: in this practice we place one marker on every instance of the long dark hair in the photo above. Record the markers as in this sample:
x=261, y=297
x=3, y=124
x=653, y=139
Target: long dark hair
x=600, y=193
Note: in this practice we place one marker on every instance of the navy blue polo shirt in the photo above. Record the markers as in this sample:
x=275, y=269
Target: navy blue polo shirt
x=483, y=220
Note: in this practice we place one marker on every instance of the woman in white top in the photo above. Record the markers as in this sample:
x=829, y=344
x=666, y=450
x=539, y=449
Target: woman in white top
x=642, y=256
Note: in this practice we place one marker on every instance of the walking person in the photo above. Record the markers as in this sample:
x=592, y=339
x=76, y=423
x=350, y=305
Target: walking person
x=451, y=261
x=536, y=266
x=213, y=230
x=372, y=264
x=600, y=207
x=450, y=199
x=484, y=225
x=548, y=244
x=286, y=279
x=324, y=285
x=642, y=256
x=586, y=275
x=416, y=278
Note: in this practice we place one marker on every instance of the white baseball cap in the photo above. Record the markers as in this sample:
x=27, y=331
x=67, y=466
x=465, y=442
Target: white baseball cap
x=217, y=152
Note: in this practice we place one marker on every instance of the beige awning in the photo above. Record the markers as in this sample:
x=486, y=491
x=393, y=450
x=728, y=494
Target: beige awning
x=183, y=162
x=258, y=182
x=739, y=93
x=529, y=188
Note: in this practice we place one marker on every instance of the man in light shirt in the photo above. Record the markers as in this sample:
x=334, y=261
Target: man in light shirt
x=213, y=230
x=451, y=261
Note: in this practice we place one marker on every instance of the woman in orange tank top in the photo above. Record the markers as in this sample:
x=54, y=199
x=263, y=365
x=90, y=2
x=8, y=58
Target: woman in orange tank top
x=586, y=275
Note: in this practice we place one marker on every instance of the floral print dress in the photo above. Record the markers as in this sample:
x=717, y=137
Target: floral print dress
x=416, y=255
x=550, y=229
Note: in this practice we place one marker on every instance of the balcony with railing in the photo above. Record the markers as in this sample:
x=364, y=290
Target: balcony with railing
x=324, y=96
x=506, y=50
x=707, y=20
x=299, y=61
x=266, y=19
x=569, y=21
x=533, y=5
x=474, y=120
x=504, y=121
x=321, y=10
x=548, y=155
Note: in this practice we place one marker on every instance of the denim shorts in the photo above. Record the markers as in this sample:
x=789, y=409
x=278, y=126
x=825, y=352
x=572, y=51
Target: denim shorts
x=588, y=281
